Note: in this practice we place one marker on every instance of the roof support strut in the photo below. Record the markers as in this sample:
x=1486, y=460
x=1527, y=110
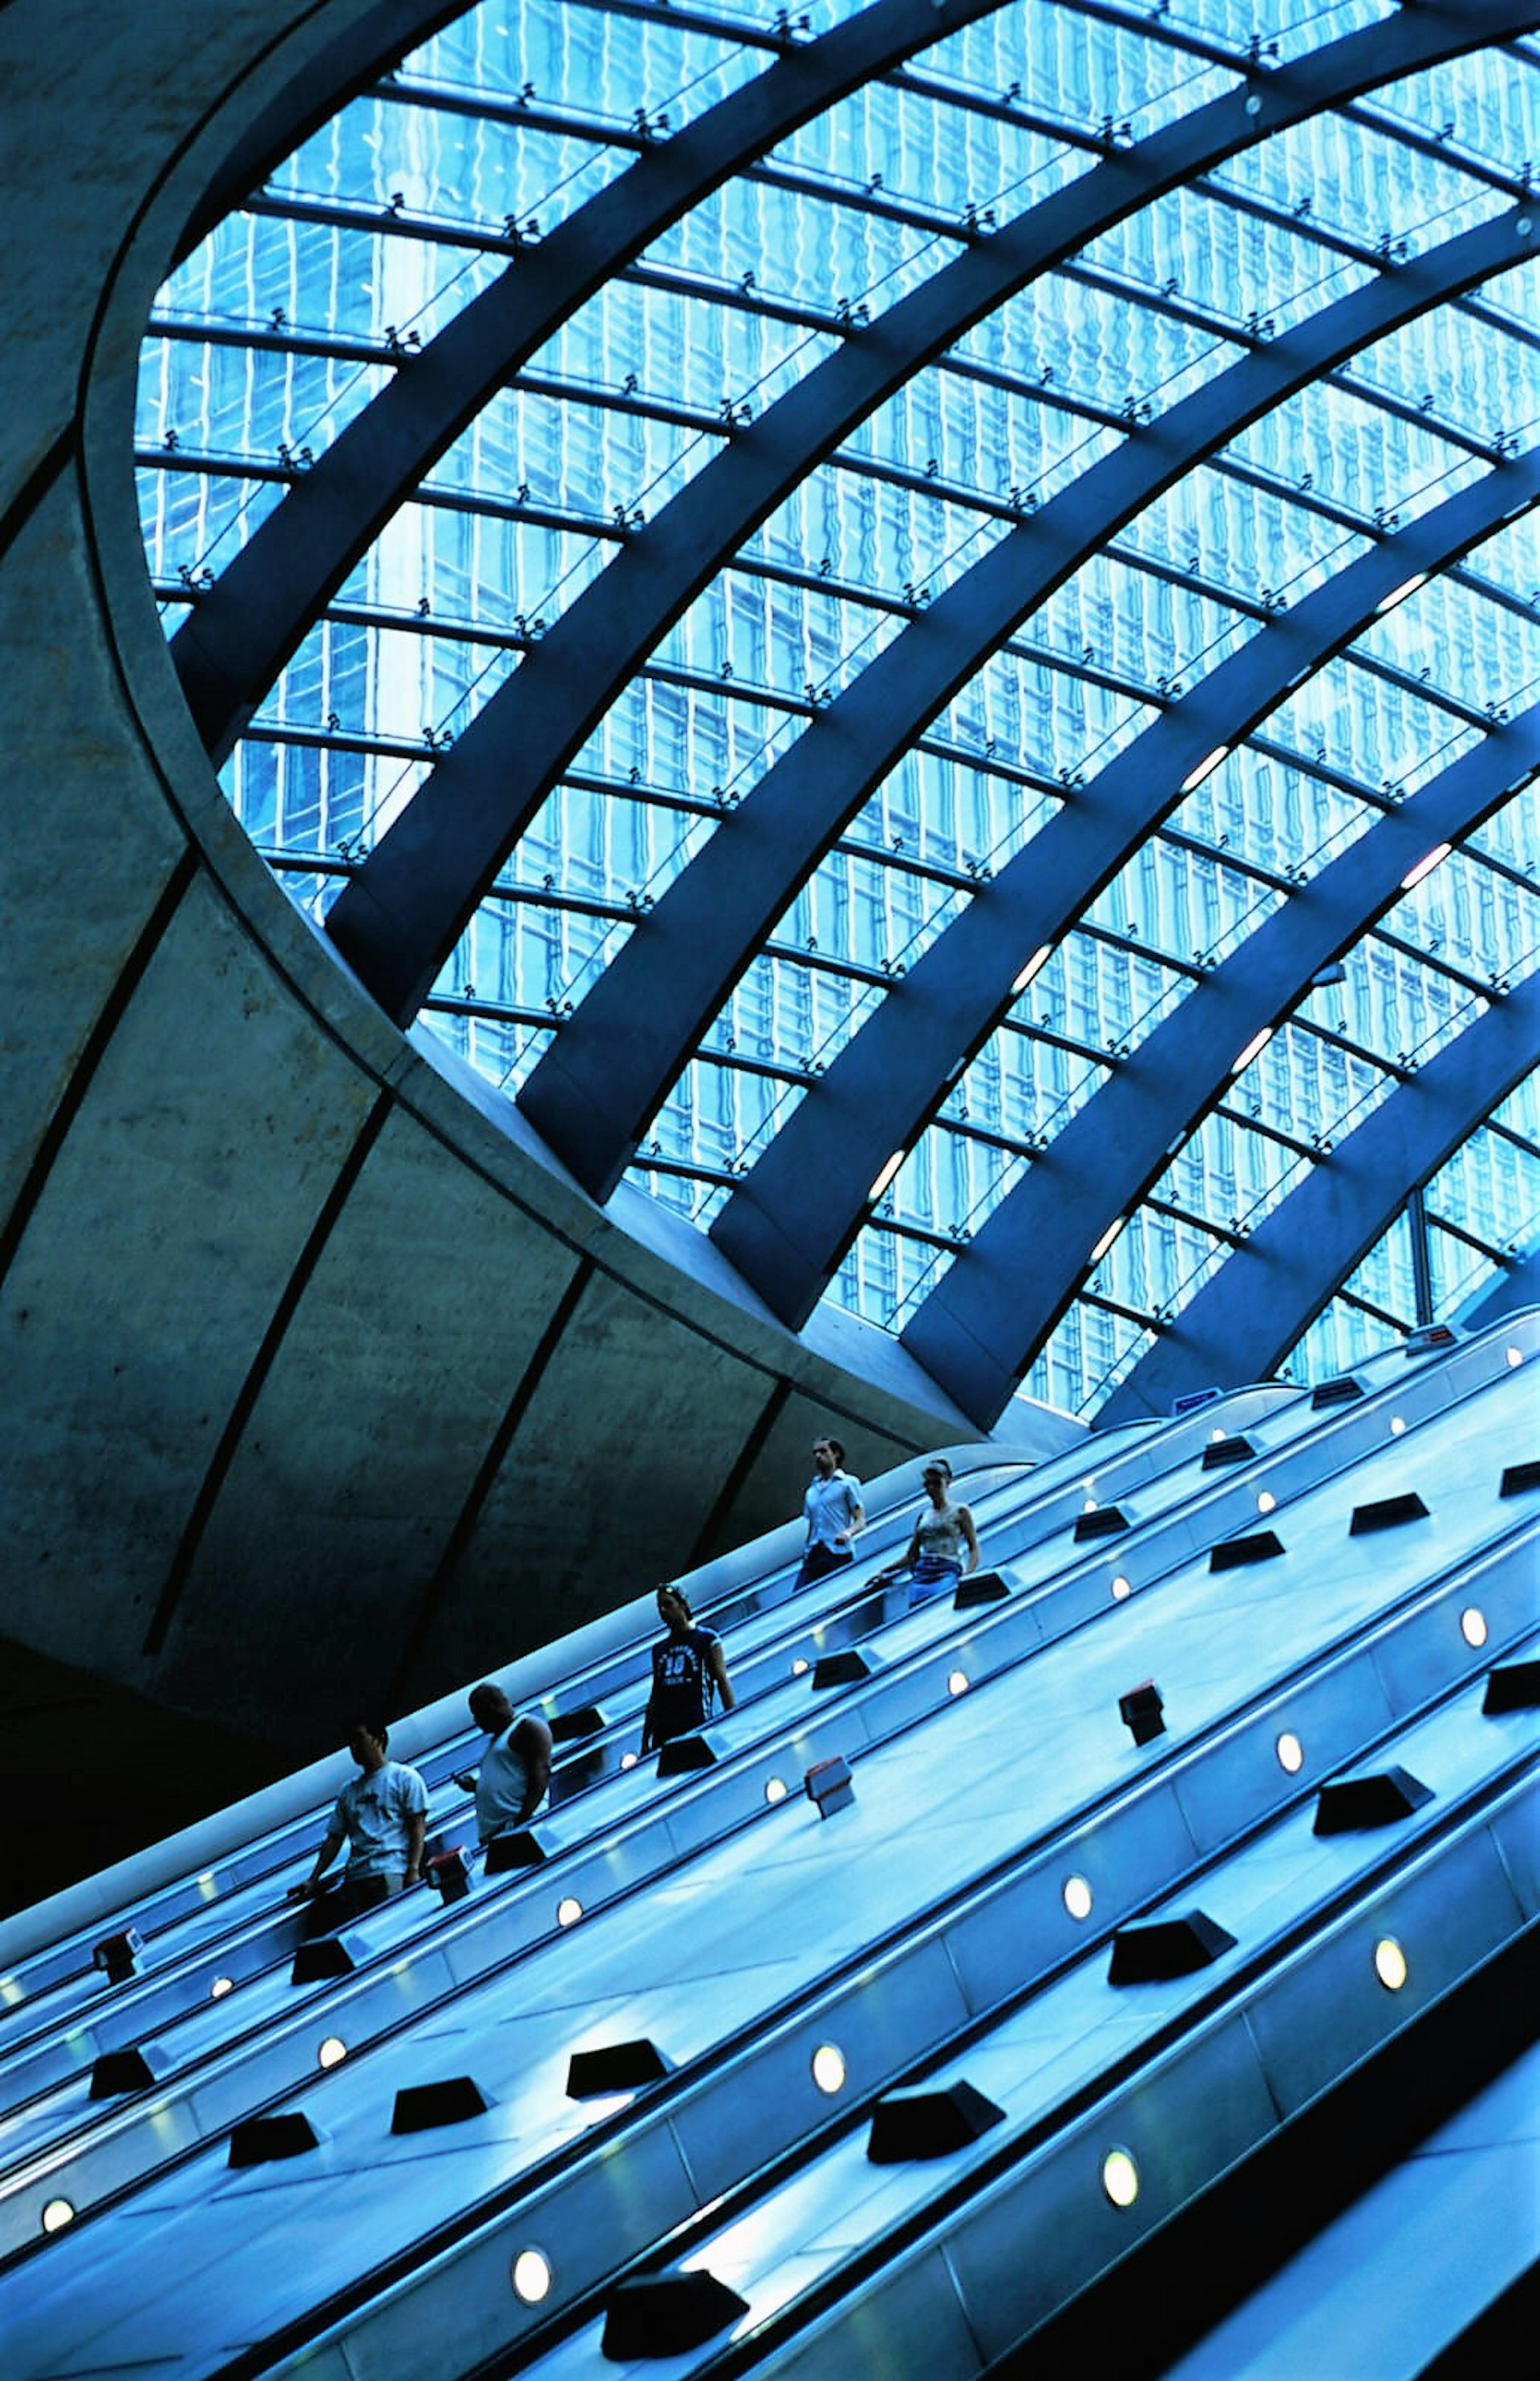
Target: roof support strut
x=1243, y=1323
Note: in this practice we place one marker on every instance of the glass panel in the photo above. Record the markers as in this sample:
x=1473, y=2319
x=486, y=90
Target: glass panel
x=1079, y=67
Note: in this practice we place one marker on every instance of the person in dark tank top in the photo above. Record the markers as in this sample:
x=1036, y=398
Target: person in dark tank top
x=688, y=1670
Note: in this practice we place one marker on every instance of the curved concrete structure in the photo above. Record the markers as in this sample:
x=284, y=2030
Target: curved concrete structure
x=321, y=1384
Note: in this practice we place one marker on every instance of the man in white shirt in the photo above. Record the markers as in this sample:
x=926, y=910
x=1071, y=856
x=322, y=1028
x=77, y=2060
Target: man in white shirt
x=516, y=1766
x=832, y=1510
x=382, y=1817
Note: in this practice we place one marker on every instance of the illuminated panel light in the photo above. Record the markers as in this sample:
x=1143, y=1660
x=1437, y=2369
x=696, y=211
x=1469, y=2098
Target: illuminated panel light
x=799, y=1667
x=885, y=1176
x=627, y=1761
x=1425, y=866
x=568, y=1910
x=1267, y=1502
x=56, y=2214
x=1390, y=1963
x=1205, y=768
x=333, y=2051
x=828, y=2067
x=1473, y=1625
x=220, y=1986
x=1077, y=1896
x=958, y=1682
x=1398, y=1424
x=1290, y=1753
x=531, y=2276
x=1121, y=1589
x=1253, y=1049
x=775, y=1790
x=1120, y=2178
x=1399, y=594
x=1515, y=1357
x=1099, y=1252
x=1034, y=966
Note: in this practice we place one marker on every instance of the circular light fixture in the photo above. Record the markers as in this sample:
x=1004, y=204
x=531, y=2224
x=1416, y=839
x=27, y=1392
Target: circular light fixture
x=775, y=1790
x=1515, y=1357
x=56, y=2214
x=1077, y=1896
x=1267, y=1502
x=568, y=1910
x=331, y=2052
x=1290, y=1753
x=1089, y=1505
x=220, y=1986
x=1390, y=1963
x=828, y=2067
x=1253, y=102
x=1218, y=1436
x=1121, y=1589
x=530, y=2275
x=799, y=1667
x=1398, y=1423
x=627, y=1761
x=1473, y=1625
x=958, y=1682
x=1120, y=2178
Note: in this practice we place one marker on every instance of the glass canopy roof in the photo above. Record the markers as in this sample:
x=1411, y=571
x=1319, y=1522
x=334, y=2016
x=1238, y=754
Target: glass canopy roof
x=328, y=289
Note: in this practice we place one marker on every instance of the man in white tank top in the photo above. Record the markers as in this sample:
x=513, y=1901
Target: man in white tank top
x=516, y=1766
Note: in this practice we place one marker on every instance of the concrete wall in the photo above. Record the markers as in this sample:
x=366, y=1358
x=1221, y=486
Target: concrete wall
x=318, y=1381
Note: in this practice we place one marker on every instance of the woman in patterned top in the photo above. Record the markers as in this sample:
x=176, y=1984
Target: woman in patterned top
x=943, y=1533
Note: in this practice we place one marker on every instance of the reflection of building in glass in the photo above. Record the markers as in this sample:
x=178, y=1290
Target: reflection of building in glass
x=304, y=307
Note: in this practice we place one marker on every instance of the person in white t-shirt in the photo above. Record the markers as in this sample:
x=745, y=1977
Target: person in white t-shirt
x=382, y=1816
x=516, y=1766
x=832, y=1510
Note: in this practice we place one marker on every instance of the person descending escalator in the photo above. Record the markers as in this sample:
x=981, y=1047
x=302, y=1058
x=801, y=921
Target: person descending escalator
x=690, y=1670
x=943, y=1534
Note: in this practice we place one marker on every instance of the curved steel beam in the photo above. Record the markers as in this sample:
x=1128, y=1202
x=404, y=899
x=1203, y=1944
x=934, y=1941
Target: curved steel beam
x=791, y=1221
x=237, y=640
x=400, y=917
x=987, y=1318
x=598, y=1086
x=1243, y=1321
